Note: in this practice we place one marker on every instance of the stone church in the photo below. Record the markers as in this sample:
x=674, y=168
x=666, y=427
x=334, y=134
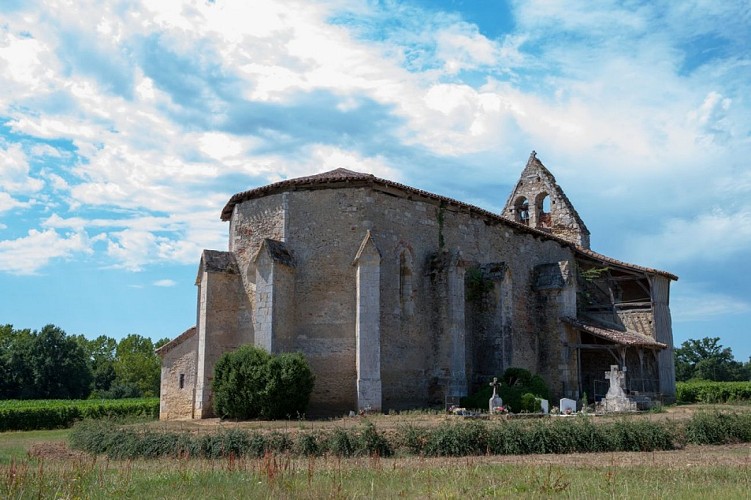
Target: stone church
x=400, y=298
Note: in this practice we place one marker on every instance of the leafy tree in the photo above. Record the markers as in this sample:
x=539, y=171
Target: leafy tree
x=251, y=383
x=137, y=367
x=44, y=364
x=15, y=346
x=100, y=354
x=707, y=359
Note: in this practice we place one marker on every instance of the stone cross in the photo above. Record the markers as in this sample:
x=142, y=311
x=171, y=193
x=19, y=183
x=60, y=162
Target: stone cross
x=616, y=377
x=494, y=384
x=495, y=399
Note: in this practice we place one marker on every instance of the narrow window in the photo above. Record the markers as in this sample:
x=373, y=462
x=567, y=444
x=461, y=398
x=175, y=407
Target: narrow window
x=542, y=204
x=405, y=283
x=182, y=380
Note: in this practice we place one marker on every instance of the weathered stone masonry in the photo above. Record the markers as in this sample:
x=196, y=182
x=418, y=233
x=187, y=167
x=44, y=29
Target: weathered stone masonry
x=401, y=298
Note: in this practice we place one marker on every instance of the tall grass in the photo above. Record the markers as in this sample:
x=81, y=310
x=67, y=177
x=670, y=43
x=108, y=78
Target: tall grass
x=449, y=439
x=279, y=476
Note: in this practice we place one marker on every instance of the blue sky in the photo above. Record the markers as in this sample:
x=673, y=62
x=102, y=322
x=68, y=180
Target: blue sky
x=125, y=126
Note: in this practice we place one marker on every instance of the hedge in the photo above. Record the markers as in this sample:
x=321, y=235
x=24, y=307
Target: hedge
x=451, y=438
x=713, y=392
x=28, y=415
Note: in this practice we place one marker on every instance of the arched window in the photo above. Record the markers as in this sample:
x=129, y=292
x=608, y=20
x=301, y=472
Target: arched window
x=542, y=205
x=521, y=210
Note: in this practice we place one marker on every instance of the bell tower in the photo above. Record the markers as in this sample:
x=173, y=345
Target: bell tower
x=539, y=202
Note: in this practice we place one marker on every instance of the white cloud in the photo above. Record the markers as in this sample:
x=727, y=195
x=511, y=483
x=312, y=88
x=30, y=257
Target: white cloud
x=31, y=253
x=132, y=249
x=593, y=88
x=220, y=146
x=14, y=171
x=462, y=47
x=7, y=202
x=704, y=306
x=21, y=63
x=165, y=283
x=713, y=236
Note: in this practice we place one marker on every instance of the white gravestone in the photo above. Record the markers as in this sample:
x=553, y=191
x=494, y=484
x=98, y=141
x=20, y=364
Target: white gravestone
x=495, y=399
x=544, y=406
x=567, y=406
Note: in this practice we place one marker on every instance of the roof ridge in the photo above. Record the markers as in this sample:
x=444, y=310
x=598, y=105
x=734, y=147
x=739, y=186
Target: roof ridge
x=343, y=176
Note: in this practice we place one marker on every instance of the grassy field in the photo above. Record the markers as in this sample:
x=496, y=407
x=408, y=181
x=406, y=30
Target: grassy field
x=39, y=464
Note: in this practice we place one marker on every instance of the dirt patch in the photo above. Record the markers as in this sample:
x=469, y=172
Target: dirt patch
x=54, y=451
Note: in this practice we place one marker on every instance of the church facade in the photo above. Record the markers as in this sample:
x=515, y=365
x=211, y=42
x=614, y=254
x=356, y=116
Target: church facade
x=401, y=298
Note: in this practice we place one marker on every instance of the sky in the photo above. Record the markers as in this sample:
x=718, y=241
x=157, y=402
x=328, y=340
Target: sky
x=125, y=126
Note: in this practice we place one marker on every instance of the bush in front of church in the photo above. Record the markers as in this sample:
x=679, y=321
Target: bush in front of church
x=514, y=384
x=251, y=383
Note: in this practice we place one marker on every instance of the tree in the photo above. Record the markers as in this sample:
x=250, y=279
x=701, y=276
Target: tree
x=100, y=354
x=15, y=346
x=137, y=367
x=250, y=383
x=59, y=366
x=42, y=365
x=707, y=359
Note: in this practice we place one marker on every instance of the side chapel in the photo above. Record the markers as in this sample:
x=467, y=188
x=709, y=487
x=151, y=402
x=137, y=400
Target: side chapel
x=400, y=298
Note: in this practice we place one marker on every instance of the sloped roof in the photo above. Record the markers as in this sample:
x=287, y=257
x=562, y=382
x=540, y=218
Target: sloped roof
x=343, y=178
x=622, y=337
x=216, y=261
x=176, y=341
x=278, y=251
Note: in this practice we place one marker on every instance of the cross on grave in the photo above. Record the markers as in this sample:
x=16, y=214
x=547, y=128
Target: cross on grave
x=616, y=377
x=494, y=384
x=495, y=399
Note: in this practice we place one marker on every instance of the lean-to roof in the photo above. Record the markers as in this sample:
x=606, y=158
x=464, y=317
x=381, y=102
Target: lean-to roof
x=622, y=337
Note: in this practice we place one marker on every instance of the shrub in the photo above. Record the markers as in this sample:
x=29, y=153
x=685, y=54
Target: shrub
x=703, y=391
x=340, y=443
x=515, y=382
x=288, y=386
x=457, y=440
x=530, y=403
x=373, y=443
x=251, y=383
x=718, y=428
x=27, y=415
x=239, y=382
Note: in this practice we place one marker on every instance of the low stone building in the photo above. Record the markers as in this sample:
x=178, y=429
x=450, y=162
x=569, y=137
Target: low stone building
x=401, y=298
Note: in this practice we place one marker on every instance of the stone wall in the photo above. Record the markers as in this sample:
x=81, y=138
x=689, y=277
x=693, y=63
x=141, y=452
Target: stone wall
x=178, y=381
x=325, y=230
x=224, y=323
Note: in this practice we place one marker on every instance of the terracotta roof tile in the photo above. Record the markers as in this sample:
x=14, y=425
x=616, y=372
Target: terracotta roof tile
x=623, y=337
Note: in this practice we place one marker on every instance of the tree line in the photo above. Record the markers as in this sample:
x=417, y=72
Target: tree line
x=707, y=359
x=50, y=364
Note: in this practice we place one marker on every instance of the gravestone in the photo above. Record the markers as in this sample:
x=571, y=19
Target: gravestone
x=495, y=399
x=567, y=406
x=545, y=406
x=616, y=399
